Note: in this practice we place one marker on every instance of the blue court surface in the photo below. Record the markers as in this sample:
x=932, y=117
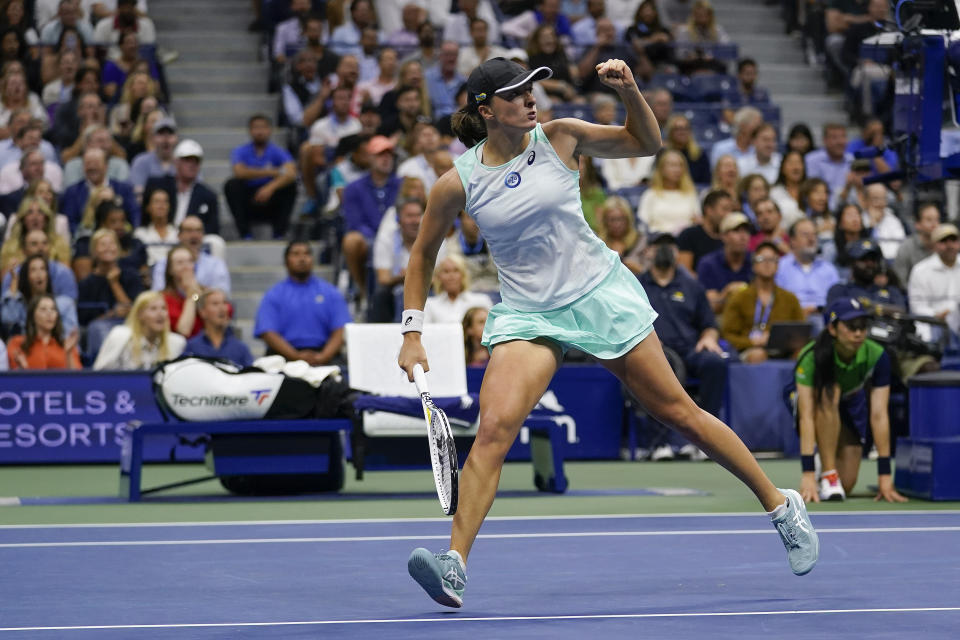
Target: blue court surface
x=881, y=575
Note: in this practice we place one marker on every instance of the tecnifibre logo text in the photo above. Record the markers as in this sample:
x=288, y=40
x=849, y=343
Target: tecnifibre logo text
x=209, y=401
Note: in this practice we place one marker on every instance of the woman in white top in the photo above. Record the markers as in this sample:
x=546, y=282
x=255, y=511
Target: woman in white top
x=143, y=340
x=561, y=288
x=451, y=284
x=621, y=173
x=670, y=204
x=157, y=234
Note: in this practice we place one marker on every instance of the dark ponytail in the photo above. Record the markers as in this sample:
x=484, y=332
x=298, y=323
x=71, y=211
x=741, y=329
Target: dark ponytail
x=824, y=369
x=468, y=125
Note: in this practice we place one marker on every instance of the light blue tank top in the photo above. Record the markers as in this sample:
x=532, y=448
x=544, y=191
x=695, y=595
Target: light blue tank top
x=529, y=212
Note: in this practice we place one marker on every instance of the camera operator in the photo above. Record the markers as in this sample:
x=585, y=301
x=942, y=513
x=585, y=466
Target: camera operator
x=887, y=301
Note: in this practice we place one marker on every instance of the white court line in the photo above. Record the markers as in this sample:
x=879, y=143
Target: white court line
x=488, y=536
x=598, y=616
x=599, y=516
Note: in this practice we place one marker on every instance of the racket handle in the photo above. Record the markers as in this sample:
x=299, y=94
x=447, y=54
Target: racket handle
x=420, y=379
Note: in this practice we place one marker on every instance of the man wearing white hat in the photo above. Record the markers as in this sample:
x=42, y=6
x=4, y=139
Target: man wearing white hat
x=188, y=196
x=934, y=288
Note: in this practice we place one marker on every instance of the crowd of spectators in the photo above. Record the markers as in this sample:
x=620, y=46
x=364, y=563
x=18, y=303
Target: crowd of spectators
x=96, y=190
x=731, y=227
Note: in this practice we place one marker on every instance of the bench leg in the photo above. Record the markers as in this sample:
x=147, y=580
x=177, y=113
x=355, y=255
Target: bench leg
x=131, y=465
x=547, y=440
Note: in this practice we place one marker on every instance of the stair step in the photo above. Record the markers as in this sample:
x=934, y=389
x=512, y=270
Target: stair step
x=200, y=7
x=219, y=53
x=255, y=279
x=218, y=101
x=203, y=23
x=254, y=254
x=229, y=115
x=200, y=82
x=213, y=38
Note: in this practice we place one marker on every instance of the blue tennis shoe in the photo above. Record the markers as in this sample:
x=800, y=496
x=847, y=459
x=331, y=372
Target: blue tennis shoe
x=441, y=575
x=797, y=533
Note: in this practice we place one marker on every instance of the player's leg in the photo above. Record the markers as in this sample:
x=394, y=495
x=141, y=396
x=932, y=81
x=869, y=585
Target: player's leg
x=516, y=377
x=648, y=375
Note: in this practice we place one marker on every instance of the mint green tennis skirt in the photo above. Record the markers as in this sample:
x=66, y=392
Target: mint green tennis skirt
x=606, y=322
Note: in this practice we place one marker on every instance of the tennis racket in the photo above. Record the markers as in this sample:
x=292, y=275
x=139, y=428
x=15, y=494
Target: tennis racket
x=443, y=451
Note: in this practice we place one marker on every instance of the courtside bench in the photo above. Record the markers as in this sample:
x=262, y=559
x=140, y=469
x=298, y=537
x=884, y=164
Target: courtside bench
x=307, y=459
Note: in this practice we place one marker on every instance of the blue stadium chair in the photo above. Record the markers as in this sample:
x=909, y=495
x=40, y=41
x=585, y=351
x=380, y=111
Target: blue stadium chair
x=728, y=52
x=771, y=113
x=699, y=114
x=714, y=88
x=676, y=84
x=707, y=137
x=631, y=195
x=572, y=110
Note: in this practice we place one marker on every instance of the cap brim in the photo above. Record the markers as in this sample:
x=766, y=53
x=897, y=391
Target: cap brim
x=540, y=73
x=853, y=315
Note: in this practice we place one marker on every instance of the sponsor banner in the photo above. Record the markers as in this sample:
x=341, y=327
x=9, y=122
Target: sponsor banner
x=76, y=417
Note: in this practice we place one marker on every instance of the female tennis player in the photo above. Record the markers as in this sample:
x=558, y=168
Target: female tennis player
x=561, y=288
x=833, y=376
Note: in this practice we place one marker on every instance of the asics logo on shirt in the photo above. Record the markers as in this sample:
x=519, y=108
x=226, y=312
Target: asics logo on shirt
x=512, y=180
x=531, y=157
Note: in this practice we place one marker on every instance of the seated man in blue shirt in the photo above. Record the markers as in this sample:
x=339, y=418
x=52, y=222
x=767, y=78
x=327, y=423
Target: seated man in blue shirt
x=805, y=275
x=217, y=339
x=728, y=269
x=364, y=202
x=302, y=317
x=264, y=181
x=686, y=325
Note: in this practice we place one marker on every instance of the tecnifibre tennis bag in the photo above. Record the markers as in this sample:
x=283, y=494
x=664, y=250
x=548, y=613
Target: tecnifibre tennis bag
x=196, y=389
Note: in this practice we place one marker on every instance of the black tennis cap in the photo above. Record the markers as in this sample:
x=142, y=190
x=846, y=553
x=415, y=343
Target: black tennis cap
x=499, y=74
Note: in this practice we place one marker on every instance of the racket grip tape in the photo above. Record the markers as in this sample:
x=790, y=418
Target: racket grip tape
x=420, y=379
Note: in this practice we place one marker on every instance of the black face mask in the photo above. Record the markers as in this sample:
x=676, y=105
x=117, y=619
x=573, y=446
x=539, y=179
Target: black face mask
x=865, y=274
x=664, y=258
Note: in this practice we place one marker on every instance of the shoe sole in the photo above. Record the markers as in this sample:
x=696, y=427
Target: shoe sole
x=422, y=570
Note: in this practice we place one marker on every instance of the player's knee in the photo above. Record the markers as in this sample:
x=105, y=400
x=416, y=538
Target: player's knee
x=495, y=434
x=686, y=418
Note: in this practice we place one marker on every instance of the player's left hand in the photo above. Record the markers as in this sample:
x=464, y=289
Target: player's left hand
x=616, y=74
x=886, y=491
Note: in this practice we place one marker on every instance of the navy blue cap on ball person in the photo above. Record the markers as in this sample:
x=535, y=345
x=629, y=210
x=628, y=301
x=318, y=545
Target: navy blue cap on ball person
x=845, y=309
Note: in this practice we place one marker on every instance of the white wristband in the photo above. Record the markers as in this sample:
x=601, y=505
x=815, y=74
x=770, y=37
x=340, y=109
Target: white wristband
x=411, y=320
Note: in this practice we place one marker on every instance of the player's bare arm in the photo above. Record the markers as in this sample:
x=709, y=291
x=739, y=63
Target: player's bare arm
x=638, y=136
x=446, y=200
